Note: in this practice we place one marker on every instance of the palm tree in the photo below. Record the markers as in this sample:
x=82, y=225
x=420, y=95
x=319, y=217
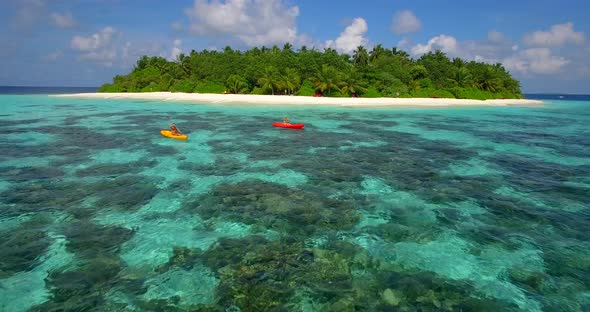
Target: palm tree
x=184, y=63
x=352, y=84
x=288, y=47
x=275, y=49
x=414, y=85
x=227, y=50
x=462, y=78
x=458, y=62
x=401, y=53
x=291, y=80
x=489, y=80
x=418, y=72
x=269, y=79
x=236, y=84
x=360, y=56
x=326, y=79
x=377, y=52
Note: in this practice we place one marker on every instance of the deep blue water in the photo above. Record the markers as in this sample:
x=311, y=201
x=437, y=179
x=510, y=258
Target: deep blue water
x=45, y=90
x=558, y=97
x=446, y=209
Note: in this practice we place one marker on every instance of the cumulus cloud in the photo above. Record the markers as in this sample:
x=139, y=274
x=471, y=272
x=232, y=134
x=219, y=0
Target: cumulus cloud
x=497, y=48
x=405, y=22
x=254, y=22
x=558, y=35
x=65, y=20
x=352, y=37
x=176, y=49
x=536, y=61
x=496, y=37
x=445, y=43
x=97, y=47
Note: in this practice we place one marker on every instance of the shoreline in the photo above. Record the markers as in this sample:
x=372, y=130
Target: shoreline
x=270, y=100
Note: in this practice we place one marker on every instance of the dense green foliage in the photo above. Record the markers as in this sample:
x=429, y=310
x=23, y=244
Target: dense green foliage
x=378, y=73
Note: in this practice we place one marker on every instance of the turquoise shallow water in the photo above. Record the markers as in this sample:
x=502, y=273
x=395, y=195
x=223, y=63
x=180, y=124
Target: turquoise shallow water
x=473, y=209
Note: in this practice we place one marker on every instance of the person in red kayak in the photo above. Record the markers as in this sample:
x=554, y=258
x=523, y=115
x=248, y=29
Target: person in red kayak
x=286, y=121
x=175, y=130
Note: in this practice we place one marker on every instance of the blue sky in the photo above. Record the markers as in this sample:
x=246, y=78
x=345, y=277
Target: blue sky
x=543, y=43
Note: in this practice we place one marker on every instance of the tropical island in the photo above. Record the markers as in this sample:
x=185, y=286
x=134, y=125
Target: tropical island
x=380, y=77
x=380, y=72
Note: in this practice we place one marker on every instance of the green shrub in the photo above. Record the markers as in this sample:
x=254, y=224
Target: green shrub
x=183, y=86
x=337, y=94
x=152, y=87
x=395, y=89
x=107, y=87
x=432, y=93
x=258, y=91
x=209, y=87
x=476, y=94
x=306, y=89
x=372, y=93
x=165, y=82
x=426, y=83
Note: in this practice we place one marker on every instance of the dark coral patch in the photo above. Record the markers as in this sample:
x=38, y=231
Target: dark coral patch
x=22, y=248
x=117, y=169
x=42, y=196
x=84, y=288
x=90, y=240
x=30, y=174
x=125, y=192
x=274, y=206
x=223, y=166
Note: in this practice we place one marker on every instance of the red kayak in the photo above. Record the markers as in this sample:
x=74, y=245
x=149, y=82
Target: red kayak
x=287, y=125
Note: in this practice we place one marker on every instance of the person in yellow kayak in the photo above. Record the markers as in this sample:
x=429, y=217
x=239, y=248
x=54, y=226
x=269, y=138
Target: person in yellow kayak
x=286, y=120
x=174, y=130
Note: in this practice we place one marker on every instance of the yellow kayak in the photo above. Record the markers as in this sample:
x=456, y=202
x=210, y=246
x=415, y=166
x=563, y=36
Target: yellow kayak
x=168, y=134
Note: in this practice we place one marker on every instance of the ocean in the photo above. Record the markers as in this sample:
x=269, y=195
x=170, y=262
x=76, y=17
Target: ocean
x=445, y=209
x=17, y=90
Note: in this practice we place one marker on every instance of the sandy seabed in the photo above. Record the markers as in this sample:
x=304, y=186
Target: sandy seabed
x=249, y=99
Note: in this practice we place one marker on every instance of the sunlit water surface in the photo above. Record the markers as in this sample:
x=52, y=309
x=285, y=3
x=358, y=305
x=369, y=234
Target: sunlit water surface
x=472, y=209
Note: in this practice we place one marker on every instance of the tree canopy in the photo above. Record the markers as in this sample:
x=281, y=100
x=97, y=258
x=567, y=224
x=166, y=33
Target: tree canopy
x=376, y=73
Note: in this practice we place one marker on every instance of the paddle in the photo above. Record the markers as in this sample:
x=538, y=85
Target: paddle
x=178, y=130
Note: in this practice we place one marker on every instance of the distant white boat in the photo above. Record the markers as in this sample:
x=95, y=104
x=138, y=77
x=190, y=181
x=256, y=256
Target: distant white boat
x=561, y=96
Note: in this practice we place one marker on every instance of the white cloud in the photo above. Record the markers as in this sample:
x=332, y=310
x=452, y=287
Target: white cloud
x=352, y=37
x=405, y=22
x=404, y=44
x=497, y=48
x=129, y=52
x=490, y=50
x=535, y=61
x=176, y=49
x=93, y=42
x=65, y=20
x=445, y=43
x=558, y=35
x=97, y=47
x=496, y=37
x=254, y=22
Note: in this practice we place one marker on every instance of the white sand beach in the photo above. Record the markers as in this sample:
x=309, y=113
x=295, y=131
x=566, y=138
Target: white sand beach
x=248, y=99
